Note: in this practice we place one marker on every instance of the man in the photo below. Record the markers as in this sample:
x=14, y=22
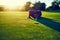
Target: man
x=32, y=12
x=37, y=14
x=35, y=11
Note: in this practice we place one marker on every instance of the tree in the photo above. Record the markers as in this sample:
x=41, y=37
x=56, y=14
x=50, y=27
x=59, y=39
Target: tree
x=39, y=5
x=1, y=8
x=27, y=6
x=55, y=5
x=43, y=6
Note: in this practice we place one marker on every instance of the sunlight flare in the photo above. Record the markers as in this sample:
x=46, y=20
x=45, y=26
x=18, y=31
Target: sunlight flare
x=12, y=3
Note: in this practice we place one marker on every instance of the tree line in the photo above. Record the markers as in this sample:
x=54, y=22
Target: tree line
x=55, y=5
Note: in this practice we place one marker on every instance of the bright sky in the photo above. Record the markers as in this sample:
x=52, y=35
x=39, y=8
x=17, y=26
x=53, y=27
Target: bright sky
x=14, y=3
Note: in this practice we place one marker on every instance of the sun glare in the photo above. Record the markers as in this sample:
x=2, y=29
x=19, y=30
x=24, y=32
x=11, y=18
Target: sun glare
x=12, y=3
x=19, y=3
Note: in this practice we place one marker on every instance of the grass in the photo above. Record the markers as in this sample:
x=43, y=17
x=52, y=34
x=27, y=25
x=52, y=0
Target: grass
x=16, y=26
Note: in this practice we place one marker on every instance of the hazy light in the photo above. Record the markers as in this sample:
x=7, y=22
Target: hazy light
x=14, y=3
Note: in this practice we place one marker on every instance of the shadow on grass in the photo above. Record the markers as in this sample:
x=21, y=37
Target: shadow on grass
x=50, y=23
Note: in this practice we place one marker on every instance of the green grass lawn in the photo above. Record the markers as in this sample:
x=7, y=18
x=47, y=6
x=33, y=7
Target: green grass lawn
x=16, y=26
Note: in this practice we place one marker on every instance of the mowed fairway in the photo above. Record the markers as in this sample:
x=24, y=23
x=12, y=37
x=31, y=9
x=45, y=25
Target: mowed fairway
x=16, y=26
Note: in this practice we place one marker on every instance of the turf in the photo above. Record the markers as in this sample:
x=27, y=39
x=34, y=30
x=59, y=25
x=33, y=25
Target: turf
x=17, y=26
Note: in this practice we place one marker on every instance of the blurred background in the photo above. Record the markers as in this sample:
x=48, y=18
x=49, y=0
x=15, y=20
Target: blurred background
x=25, y=5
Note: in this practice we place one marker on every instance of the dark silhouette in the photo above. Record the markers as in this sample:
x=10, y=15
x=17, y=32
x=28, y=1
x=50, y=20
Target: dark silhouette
x=35, y=11
x=37, y=6
x=40, y=6
x=43, y=6
x=54, y=6
x=50, y=23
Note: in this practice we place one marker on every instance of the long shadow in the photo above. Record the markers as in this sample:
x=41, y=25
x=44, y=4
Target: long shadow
x=50, y=23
